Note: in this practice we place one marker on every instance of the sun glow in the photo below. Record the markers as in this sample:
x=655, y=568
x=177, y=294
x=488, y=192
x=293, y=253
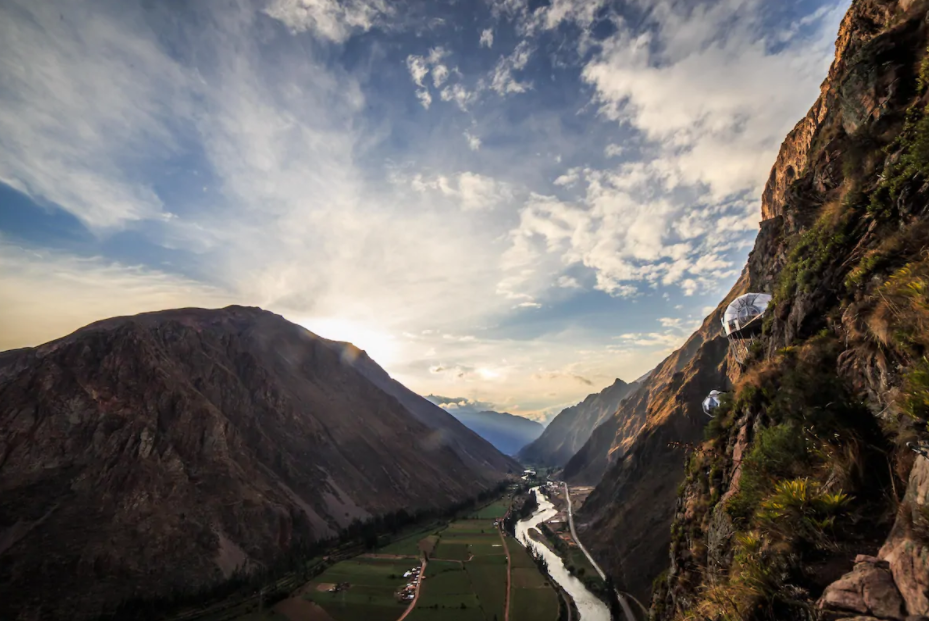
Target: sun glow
x=384, y=348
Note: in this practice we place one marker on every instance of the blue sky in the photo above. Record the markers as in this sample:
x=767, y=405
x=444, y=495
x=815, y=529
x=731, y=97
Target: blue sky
x=513, y=202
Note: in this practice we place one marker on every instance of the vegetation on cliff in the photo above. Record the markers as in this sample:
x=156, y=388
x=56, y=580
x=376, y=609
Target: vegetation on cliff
x=805, y=493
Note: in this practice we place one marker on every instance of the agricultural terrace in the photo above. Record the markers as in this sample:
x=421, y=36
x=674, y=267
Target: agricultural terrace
x=466, y=579
x=365, y=589
x=467, y=573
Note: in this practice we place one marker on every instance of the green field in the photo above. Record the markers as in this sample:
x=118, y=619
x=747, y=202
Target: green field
x=449, y=549
x=472, y=527
x=534, y=605
x=582, y=566
x=408, y=546
x=532, y=598
x=519, y=556
x=449, y=589
x=493, y=511
x=465, y=579
x=489, y=584
x=446, y=614
x=371, y=594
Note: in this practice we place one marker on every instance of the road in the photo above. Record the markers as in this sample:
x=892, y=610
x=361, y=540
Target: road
x=506, y=548
x=419, y=587
x=627, y=611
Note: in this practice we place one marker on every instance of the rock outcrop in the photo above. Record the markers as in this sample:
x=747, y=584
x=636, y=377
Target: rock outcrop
x=156, y=454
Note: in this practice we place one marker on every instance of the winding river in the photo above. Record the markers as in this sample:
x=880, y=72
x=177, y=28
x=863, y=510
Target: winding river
x=588, y=605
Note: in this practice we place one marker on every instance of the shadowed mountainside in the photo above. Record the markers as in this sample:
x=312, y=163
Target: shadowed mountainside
x=507, y=432
x=158, y=453
x=573, y=426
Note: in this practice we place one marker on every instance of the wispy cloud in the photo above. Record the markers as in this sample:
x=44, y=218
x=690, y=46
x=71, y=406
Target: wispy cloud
x=281, y=150
x=334, y=20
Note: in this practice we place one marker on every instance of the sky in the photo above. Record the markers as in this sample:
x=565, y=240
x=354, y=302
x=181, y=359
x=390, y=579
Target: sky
x=511, y=202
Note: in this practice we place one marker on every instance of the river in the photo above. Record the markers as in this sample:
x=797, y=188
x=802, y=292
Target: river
x=590, y=607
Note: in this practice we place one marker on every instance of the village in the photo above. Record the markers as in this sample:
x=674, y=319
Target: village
x=408, y=592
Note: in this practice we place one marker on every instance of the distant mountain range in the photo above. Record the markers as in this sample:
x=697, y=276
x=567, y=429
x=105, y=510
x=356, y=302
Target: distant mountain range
x=508, y=432
x=160, y=453
x=573, y=426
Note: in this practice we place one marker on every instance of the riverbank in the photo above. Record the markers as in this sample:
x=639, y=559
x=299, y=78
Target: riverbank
x=589, y=606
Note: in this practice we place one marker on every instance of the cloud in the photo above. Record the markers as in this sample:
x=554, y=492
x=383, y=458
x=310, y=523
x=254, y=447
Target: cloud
x=420, y=68
x=613, y=150
x=743, y=92
x=460, y=95
x=48, y=294
x=439, y=75
x=472, y=191
x=474, y=143
x=291, y=137
x=487, y=38
x=454, y=403
x=502, y=80
x=57, y=143
x=667, y=341
x=334, y=20
x=552, y=375
x=569, y=178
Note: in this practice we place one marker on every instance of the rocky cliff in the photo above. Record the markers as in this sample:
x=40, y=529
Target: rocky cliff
x=801, y=499
x=156, y=454
x=573, y=426
x=626, y=521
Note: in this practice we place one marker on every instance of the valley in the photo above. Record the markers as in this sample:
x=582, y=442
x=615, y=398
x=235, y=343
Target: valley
x=467, y=568
x=167, y=462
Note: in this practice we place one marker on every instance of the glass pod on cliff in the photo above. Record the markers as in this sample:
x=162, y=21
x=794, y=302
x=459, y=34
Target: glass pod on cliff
x=711, y=402
x=742, y=322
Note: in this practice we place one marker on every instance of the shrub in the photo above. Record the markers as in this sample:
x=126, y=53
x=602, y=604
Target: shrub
x=914, y=396
x=912, y=145
x=798, y=510
x=778, y=452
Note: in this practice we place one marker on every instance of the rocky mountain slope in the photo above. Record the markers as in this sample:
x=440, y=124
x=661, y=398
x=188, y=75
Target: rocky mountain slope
x=507, y=432
x=158, y=453
x=568, y=431
x=626, y=521
x=801, y=498
x=501, y=430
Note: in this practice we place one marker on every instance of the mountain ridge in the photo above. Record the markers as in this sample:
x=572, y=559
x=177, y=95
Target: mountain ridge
x=157, y=453
x=573, y=426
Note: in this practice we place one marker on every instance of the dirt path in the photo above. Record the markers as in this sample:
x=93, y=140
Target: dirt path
x=506, y=548
x=419, y=587
x=391, y=556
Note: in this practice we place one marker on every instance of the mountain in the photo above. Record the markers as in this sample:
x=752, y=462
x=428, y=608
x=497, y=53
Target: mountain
x=626, y=520
x=500, y=430
x=156, y=454
x=507, y=432
x=808, y=492
x=568, y=431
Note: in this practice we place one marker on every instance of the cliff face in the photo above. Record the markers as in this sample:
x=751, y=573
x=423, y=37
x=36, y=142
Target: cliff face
x=626, y=521
x=155, y=454
x=803, y=498
x=573, y=426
